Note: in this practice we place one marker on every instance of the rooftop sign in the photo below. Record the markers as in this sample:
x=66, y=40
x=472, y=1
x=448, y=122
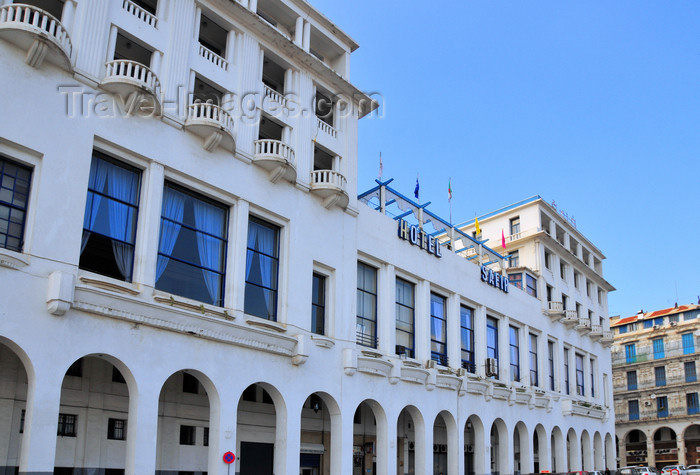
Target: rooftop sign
x=420, y=238
x=494, y=278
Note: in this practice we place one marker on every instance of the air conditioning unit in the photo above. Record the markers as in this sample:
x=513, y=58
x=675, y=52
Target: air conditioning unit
x=673, y=324
x=647, y=403
x=469, y=448
x=430, y=364
x=491, y=367
x=443, y=448
x=656, y=327
x=461, y=372
x=436, y=448
x=697, y=332
x=400, y=350
x=411, y=446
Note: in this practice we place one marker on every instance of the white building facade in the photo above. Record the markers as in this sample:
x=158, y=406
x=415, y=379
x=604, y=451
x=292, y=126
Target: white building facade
x=186, y=269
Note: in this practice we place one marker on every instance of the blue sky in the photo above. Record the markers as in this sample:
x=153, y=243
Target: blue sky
x=594, y=104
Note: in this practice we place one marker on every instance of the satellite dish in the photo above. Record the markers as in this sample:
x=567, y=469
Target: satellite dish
x=653, y=396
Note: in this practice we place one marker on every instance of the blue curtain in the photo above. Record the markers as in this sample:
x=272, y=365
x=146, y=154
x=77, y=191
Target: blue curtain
x=123, y=187
x=210, y=220
x=98, y=178
x=173, y=209
x=262, y=239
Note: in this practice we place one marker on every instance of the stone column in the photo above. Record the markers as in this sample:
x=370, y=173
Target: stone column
x=480, y=340
x=142, y=440
x=146, y=249
x=238, y=243
x=504, y=352
x=454, y=340
x=386, y=292
x=422, y=322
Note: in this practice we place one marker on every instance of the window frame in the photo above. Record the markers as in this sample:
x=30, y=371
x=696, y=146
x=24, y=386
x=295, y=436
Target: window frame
x=362, y=338
x=470, y=363
x=408, y=351
x=692, y=403
x=580, y=376
x=632, y=382
x=688, y=342
x=633, y=415
x=493, y=351
x=531, y=290
x=567, y=378
x=67, y=425
x=514, y=352
x=114, y=432
x=660, y=376
x=514, y=225
x=438, y=356
x=662, y=409
x=321, y=292
x=188, y=435
x=690, y=377
x=551, y=349
x=273, y=313
x=21, y=166
x=514, y=258
x=658, y=347
x=534, y=360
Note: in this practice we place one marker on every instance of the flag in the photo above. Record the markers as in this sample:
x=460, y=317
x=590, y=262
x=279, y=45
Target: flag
x=381, y=166
x=478, y=229
x=449, y=190
x=503, y=239
x=415, y=192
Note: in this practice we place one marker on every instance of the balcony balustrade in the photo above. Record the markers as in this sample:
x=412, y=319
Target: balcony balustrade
x=326, y=128
x=213, y=124
x=140, y=13
x=125, y=77
x=277, y=158
x=331, y=187
x=213, y=58
x=38, y=33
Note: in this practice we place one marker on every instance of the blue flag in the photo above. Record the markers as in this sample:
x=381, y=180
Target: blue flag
x=415, y=192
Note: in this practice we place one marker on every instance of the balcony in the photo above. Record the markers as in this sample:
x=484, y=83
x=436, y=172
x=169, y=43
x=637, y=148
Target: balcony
x=570, y=318
x=584, y=325
x=596, y=332
x=38, y=33
x=326, y=128
x=213, y=58
x=555, y=310
x=277, y=158
x=213, y=124
x=330, y=186
x=125, y=77
x=140, y=13
x=607, y=338
x=273, y=96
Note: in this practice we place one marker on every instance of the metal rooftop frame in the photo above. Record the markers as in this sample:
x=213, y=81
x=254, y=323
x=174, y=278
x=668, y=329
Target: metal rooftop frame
x=450, y=236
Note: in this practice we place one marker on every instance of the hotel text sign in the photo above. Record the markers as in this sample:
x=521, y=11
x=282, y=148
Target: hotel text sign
x=493, y=278
x=418, y=237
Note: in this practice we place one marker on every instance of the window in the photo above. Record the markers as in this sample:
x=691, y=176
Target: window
x=514, y=345
x=633, y=410
x=648, y=324
x=514, y=259
x=262, y=267
x=66, y=425
x=405, y=318
x=212, y=36
x=631, y=380
x=661, y=406
x=692, y=315
x=547, y=259
x=515, y=225
x=692, y=403
x=192, y=246
x=438, y=329
x=690, y=375
x=592, y=363
x=14, y=197
x=76, y=369
x=674, y=318
x=187, y=435
x=492, y=340
x=190, y=384
x=580, y=389
x=630, y=353
x=658, y=348
x=366, y=305
x=562, y=270
x=660, y=375
x=116, y=429
x=534, y=375
x=109, y=224
x=117, y=376
x=622, y=329
x=467, y=329
x=577, y=278
x=564, y=301
x=578, y=310
x=567, y=382
x=688, y=343
x=531, y=283
x=550, y=289
x=589, y=288
x=318, y=304
x=550, y=350
x=21, y=421
x=600, y=296
x=516, y=280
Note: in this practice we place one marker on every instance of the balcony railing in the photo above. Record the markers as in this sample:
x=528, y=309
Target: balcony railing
x=140, y=13
x=326, y=128
x=213, y=58
x=646, y=353
x=132, y=72
x=274, y=149
x=584, y=324
x=17, y=16
x=275, y=96
x=652, y=414
x=211, y=112
x=328, y=177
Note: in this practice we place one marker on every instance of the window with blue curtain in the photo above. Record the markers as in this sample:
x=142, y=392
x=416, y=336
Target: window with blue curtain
x=688, y=343
x=660, y=375
x=567, y=382
x=662, y=406
x=630, y=353
x=492, y=340
x=631, y=380
x=514, y=346
x=580, y=388
x=690, y=375
x=14, y=198
x=191, y=246
x=366, y=321
x=467, y=335
x=109, y=223
x=692, y=403
x=405, y=318
x=633, y=410
x=534, y=375
x=550, y=350
x=658, y=348
x=438, y=329
x=261, y=271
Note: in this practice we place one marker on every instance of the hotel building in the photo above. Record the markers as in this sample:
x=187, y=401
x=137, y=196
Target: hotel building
x=187, y=270
x=655, y=387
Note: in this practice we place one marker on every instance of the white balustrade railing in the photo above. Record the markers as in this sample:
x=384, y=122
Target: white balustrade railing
x=274, y=148
x=140, y=13
x=275, y=96
x=555, y=306
x=124, y=68
x=597, y=330
x=212, y=112
x=584, y=322
x=328, y=177
x=213, y=58
x=29, y=17
x=327, y=128
x=570, y=315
